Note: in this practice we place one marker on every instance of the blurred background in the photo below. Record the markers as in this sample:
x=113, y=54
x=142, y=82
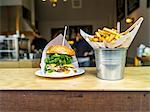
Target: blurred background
x=26, y=26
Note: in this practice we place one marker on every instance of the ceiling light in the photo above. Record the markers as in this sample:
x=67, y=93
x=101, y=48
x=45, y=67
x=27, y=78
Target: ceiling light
x=53, y=1
x=54, y=4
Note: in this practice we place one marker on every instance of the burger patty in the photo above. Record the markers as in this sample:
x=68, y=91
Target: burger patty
x=59, y=68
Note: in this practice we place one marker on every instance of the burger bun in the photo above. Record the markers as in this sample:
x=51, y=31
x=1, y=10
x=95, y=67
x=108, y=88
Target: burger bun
x=60, y=50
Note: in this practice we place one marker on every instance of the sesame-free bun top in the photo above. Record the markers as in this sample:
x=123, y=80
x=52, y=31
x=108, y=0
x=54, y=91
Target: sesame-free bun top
x=59, y=49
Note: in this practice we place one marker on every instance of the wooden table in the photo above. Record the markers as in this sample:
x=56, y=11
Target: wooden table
x=22, y=63
x=84, y=93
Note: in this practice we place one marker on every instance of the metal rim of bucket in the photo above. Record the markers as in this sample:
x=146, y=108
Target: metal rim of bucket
x=109, y=49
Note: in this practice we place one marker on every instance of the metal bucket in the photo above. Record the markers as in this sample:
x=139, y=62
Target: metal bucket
x=110, y=63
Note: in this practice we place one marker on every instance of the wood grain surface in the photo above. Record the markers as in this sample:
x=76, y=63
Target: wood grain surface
x=35, y=63
x=74, y=101
x=135, y=79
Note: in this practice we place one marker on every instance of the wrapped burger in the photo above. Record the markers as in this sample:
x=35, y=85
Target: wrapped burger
x=59, y=61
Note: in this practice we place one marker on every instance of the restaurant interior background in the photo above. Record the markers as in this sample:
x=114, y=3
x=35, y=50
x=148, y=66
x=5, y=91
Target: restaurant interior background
x=23, y=20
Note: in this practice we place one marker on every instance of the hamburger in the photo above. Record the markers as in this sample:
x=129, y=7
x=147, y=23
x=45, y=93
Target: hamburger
x=59, y=60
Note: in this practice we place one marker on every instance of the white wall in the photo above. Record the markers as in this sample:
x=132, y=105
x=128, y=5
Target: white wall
x=27, y=3
x=45, y=26
x=98, y=13
x=143, y=36
x=30, y=4
x=10, y=2
x=33, y=12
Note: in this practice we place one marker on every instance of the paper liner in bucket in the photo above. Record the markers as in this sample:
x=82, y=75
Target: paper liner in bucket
x=124, y=41
x=56, y=41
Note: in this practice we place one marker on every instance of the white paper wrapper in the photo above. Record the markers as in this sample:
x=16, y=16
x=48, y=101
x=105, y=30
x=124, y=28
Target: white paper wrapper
x=56, y=41
x=123, y=42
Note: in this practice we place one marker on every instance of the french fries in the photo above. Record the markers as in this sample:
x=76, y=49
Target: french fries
x=106, y=35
